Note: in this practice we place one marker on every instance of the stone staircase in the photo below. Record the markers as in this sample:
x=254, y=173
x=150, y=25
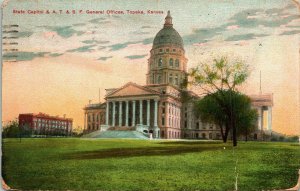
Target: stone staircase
x=116, y=134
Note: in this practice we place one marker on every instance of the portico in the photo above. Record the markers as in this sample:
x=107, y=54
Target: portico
x=134, y=107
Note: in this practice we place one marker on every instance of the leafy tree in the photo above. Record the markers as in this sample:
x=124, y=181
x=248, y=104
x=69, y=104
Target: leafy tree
x=209, y=110
x=11, y=129
x=220, y=80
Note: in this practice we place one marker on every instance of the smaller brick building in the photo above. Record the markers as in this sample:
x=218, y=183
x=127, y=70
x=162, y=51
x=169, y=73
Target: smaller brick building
x=44, y=124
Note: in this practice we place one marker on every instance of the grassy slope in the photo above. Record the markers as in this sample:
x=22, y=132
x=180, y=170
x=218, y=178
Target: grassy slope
x=83, y=164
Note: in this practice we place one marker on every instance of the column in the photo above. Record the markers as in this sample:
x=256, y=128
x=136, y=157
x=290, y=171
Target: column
x=259, y=118
x=148, y=112
x=270, y=118
x=133, y=113
x=262, y=118
x=141, y=112
x=155, y=113
x=120, y=113
x=126, y=114
x=167, y=114
x=113, y=114
x=107, y=111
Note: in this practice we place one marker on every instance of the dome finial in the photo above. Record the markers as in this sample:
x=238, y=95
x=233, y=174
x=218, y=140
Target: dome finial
x=168, y=20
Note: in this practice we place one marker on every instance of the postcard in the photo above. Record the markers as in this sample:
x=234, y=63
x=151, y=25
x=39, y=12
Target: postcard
x=150, y=95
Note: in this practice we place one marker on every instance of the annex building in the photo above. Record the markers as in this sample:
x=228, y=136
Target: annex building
x=44, y=124
x=159, y=107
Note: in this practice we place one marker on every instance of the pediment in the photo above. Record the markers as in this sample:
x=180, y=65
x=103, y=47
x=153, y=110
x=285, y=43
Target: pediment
x=132, y=89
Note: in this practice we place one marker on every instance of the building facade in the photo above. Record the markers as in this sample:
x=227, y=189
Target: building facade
x=44, y=124
x=94, y=117
x=159, y=106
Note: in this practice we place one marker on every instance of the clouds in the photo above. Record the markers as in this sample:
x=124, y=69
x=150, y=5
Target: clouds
x=293, y=32
x=95, y=41
x=248, y=36
x=23, y=56
x=119, y=46
x=87, y=48
x=104, y=58
x=245, y=25
x=125, y=37
x=24, y=34
x=64, y=31
x=133, y=57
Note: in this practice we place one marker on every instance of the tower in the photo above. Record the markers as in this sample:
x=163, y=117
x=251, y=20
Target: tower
x=167, y=63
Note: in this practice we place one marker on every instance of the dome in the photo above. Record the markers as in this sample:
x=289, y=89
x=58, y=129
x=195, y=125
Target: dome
x=168, y=35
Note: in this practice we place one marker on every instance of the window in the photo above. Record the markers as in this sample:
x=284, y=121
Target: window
x=210, y=135
x=160, y=61
x=177, y=63
x=171, y=62
x=197, y=125
x=159, y=79
x=171, y=78
x=160, y=50
x=153, y=79
x=163, y=121
x=174, y=50
x=176, y=79
x=167, y=50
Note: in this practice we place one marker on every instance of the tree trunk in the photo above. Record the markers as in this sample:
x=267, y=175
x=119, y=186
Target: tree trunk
x=224, y=138
x=227, y=129
x=234, y=138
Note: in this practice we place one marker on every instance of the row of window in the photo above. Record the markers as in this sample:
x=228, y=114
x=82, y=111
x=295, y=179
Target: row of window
x=206, y=136
x=49, y=126
x=171, y=62
x=167, y=50
x=91, y=117
x=49, y=121
x=93, y=127
x=172, y=79
x=173, y=109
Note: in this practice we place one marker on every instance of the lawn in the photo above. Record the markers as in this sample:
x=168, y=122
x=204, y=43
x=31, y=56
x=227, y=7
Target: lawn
x=119, y=164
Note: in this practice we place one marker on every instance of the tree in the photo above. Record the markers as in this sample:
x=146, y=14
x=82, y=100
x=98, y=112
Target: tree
x=219, y=80
x=11, y=129
x=211, y=112
x=247, y=120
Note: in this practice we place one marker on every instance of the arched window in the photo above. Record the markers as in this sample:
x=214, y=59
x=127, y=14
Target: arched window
x=171, y=62
x=160, y=61
x=176, y=63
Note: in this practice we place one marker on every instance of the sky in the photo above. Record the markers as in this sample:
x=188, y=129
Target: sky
x=64, y=59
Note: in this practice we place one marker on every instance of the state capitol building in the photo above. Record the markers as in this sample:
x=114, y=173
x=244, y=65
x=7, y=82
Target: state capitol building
x=159, y=106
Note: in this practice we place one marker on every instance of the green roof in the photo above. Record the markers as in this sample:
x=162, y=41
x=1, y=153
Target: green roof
x=167, y=35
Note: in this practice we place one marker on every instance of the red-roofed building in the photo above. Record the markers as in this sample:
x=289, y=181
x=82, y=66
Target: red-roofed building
x=44, y=124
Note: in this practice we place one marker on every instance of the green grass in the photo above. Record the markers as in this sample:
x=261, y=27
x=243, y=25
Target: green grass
x=118, y=164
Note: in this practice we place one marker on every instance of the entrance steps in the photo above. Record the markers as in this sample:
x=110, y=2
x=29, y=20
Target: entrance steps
x=116, y=134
